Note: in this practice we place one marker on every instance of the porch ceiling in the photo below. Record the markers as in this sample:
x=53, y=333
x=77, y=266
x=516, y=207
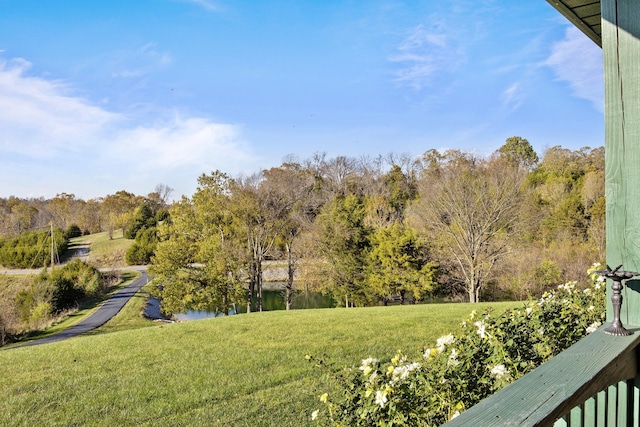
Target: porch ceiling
x=584, y=14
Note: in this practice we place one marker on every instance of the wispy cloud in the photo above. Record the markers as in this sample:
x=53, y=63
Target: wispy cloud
x=424, y=52
x=577, y=61
x=206, y=4
x=512, y=97
x=43, y=119
x=138, y=62
x=442, y=43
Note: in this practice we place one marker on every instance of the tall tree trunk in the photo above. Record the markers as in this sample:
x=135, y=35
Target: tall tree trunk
x=252, y=286
x=225, y=304
x=250, y=296
x=474, y=291
x=290, y=274
x=259, y=284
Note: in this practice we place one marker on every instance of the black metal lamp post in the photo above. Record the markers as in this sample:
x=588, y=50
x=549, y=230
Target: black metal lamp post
x=617, y=276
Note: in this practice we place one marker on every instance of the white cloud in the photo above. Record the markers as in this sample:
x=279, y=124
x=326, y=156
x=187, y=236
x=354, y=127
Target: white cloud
x=192, y=142
x=512, y=97
x=40, y=117
x=43, y=126
x=424, y=52
x=577, y=61
x=206, y=4
x=139, y=62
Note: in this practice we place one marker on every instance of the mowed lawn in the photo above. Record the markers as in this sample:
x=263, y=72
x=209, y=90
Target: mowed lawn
x=244, y=370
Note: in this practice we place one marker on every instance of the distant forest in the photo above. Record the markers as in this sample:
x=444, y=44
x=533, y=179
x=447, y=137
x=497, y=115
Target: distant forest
x=368, y=230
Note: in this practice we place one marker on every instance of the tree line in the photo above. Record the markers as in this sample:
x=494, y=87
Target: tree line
x=367, y=230
x=108, y=213
x=371, y=230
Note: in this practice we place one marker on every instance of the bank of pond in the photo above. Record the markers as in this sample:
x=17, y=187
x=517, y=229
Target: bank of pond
x=272, y=299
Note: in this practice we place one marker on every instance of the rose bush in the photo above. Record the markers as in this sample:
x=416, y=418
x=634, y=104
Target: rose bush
x=487, y=352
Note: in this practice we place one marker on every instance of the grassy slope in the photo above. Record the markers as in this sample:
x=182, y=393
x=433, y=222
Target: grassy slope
x=246, y=370
x=11, y=284
x=103, y=251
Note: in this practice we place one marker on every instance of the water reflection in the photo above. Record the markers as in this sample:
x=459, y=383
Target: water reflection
x=271, y=300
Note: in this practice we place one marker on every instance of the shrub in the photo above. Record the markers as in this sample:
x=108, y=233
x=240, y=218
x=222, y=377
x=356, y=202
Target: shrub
x=31, y=249
x=143, y=218
x=486, y=353
x=9, y=321
x=72, y=231
x=73, y=282
x=40, y=314
x=143, y=248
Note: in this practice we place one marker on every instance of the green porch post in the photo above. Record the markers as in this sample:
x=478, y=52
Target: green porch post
x=621, y=53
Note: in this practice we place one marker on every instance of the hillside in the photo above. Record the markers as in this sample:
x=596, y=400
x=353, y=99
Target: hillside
x=100, y=250
x=241, y=370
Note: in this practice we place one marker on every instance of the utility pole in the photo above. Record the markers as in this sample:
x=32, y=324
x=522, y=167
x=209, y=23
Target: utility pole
x=52, y=247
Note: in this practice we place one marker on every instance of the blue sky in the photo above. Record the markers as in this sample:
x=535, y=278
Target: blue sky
x=97, y=97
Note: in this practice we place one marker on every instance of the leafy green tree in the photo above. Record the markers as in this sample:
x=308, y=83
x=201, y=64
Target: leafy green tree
x=72, y=231
x=89, y=218
x=398, y=264
x=294, y=185
x=262, y=206
x=61, y=289
x=143, y=217
x=343, y=243
x=198, y=263
x=22, y=217
x=118, y=208
x=402, y=189
x=32, y=249
x=63, y=207
x=518, y=152
x=142, y=250
x=569, y=186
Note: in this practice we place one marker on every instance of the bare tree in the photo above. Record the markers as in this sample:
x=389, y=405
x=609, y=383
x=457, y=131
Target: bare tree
x=164, y=193
x=293, y=185
x=471, y=208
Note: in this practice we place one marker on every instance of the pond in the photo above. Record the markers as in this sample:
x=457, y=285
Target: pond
x=271, y=300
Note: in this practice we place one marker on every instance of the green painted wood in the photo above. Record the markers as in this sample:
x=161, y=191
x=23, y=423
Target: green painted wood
x=624, y=396
x=612, y=398
x=575, y=417
x=621, y=54
x=590, y=413
x=598, y=362
x=601, y=408
x=636, y=402
x=553, y=389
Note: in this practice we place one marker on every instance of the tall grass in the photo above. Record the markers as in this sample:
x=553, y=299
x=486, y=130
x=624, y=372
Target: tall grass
x=246, y=370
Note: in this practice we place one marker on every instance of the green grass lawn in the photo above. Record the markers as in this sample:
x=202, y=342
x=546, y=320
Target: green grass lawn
x=130, y=317
x=103, y=250
x=246, y=370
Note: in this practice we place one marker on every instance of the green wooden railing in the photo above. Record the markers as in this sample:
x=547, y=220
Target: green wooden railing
x=593, y=383
x=615, y=406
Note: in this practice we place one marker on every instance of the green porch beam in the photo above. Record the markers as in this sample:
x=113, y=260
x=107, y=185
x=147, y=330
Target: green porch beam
x=621, y=54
